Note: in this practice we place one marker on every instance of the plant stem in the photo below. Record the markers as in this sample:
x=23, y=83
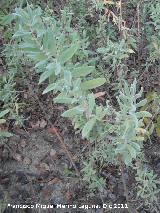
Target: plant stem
x=124, y=182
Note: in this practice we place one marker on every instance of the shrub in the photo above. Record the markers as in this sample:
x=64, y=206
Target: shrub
x=116, y=133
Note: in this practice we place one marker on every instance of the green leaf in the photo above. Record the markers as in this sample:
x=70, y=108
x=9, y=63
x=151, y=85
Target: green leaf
x=7, y=19
x=99, y=111
x=5, y=134
x=68, y=77
x=37, y=56
x=130, y=51
x=91, y=84
x=21, y=34
x=151, y=129
x=121, y=148
x=4, y=112
x=68, y=54
x=2, y=121
x=127, y=158
x=126, y=88
x=136, y=146
x=41, y=64
x=49, y=88
x=49, y=42
x=82, y=71
x=63, y=99
x=22, y=14
x=45, y=75
x=57, y=68
x=28, y=46
x=91, y=102
x=73, y=112
x=132, y=151
x=141, y=103
x=52, y=79
x=88, y=127
x=151, y=96
x=139, y=138
x=158, y=131
x=50, y=71
x=143, y=114
x=76, y=84
x=31, y=51
x=50, y=66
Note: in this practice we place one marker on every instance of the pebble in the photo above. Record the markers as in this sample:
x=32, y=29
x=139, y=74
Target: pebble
x=23, y=143
x=27, y=161
x=53, y=152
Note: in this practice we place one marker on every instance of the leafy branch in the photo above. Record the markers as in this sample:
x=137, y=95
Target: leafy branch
x=55, y=50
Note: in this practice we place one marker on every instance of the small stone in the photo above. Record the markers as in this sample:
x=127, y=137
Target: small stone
x=44, y=166
x=53, y=152
x=23, y=143
x=112, y=196
x=27, y=161
x=17, y=157
x=43, y=123
x=25, y=95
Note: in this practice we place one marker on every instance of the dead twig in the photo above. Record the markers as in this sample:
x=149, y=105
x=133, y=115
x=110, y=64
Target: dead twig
x=66, y=150
x=54, y=129
x=138, y=31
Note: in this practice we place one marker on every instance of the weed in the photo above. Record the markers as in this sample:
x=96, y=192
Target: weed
x=148, y=185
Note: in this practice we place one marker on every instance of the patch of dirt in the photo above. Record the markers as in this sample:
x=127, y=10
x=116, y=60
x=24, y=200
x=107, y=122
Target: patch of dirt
x=37, y=170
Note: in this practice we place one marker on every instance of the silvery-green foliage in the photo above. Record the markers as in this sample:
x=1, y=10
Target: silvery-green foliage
x=153, y=31
x=2, y=121
x=121, y=134
x=154, y=49
x=97, y=4
x=117, y=134
x=7, y=90
x=155, y=15
x=129, y=122
x=148, y=185
x=91, y=176
x=52, y=48
x=115, y=52
x=9, y=95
